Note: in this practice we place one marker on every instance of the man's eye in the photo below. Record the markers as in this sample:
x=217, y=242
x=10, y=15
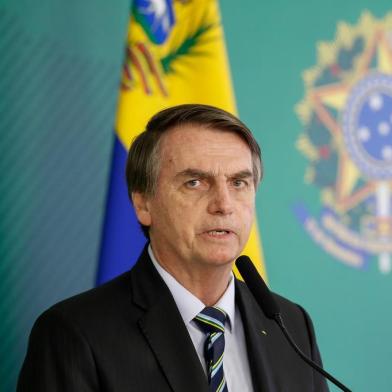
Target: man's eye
x=193, y=183
x=239, y=183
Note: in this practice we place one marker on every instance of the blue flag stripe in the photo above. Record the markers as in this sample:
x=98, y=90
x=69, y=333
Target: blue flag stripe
x=122, y=239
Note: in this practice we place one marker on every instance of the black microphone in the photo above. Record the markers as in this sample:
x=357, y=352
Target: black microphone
x=268, y=305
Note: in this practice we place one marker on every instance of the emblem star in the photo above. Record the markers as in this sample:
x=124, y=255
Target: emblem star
x=326, y=100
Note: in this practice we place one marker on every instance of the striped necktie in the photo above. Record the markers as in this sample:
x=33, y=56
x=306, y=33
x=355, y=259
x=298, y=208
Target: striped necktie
x=211, y=321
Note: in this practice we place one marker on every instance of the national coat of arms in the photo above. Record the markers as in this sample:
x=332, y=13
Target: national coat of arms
x=347, y=139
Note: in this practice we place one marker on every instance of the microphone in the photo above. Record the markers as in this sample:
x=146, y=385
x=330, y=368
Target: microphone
x=269, y=306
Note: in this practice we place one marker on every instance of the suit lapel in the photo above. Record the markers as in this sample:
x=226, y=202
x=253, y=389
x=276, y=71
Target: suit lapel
x=165, y=331
x=261, y=335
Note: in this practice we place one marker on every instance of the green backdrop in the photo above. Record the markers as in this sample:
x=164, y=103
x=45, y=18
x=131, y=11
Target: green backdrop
x=59, y=74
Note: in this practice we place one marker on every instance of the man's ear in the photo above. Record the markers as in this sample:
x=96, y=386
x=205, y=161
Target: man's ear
x=141, y=205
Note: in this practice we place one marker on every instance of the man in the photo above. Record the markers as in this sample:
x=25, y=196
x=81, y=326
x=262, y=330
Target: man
x=179, y=320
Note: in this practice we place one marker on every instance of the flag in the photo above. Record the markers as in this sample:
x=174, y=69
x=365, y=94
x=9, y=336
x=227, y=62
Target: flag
x=175, y=54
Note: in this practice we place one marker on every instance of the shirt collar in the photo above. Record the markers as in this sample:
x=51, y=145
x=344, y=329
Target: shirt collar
x=188, y=304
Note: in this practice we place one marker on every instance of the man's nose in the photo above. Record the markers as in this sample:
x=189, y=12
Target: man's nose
x=221, y=201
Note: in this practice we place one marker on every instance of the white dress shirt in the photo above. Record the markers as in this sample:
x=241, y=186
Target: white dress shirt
x=235, y=359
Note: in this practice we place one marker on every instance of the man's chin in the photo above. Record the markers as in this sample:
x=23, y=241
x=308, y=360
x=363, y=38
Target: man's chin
x=219, y=257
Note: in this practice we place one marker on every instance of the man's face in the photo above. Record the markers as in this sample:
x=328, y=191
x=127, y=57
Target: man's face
x=203, y=208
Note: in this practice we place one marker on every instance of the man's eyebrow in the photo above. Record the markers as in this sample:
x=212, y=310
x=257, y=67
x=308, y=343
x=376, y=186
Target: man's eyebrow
x=242, y=174
x=194, y=173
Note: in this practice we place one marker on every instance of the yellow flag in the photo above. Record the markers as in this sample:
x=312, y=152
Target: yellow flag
x=175, y=55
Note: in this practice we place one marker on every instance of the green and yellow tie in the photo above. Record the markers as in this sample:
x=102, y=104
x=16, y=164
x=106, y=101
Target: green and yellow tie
x=211, y=321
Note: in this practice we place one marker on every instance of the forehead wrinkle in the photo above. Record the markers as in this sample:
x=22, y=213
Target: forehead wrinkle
x=190, y=172
x=181, y=142
x=187, y=136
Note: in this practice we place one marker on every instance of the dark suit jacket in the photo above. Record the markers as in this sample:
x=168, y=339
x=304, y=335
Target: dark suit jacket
x=128, y=335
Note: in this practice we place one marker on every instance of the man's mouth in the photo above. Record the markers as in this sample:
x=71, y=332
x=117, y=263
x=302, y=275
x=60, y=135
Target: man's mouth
x=218, y=232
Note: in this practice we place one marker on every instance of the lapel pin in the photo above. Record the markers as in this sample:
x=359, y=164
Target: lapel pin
x=264, y=332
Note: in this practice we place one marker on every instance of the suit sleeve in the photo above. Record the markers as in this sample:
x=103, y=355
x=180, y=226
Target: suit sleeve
x=320, y=383
x=59, y=358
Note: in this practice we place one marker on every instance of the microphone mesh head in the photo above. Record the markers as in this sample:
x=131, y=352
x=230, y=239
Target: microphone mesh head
x=257, y=287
